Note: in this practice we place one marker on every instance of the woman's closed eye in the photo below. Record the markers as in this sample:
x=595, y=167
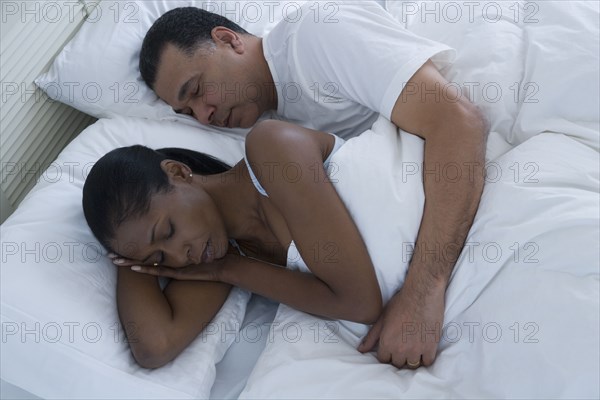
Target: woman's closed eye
x=161, y=255
x=171, y=230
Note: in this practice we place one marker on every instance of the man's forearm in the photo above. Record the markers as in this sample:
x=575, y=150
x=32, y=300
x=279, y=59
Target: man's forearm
x=453, y=172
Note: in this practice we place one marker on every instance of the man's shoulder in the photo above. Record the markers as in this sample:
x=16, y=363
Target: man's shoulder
x=311, y=18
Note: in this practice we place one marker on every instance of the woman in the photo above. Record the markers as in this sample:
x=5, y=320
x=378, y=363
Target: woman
x=178, y=218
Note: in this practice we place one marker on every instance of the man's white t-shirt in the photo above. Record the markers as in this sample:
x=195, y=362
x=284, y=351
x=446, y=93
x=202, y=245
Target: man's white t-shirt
x=337, y=65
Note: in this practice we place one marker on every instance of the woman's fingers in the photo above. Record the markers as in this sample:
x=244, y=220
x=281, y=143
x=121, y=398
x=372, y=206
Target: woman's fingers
x=124, y=262
x=191, y=272
x=156, y=271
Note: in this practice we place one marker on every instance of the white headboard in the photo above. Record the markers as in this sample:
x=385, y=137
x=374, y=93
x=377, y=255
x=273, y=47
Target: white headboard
x=33, y=129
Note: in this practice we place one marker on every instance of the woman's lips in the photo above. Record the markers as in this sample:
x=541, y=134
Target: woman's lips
x=208, y=254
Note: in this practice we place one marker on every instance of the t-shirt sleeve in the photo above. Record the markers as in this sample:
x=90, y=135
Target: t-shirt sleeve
x=361, y=53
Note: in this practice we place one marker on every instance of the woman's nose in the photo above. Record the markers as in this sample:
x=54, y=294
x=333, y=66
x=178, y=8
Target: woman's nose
x=179, y=254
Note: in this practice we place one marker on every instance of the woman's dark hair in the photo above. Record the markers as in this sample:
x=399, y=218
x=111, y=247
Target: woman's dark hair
x=121, y=184
x=188, y=28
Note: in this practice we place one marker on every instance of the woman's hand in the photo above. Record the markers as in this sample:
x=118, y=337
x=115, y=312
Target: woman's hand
x=196, y=272
x=122, y=261
x=199, y=272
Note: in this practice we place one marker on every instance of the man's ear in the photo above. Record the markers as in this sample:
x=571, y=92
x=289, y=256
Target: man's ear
x=225, y=36
x=176, y=171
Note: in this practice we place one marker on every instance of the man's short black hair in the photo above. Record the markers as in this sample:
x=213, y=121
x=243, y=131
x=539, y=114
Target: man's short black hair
x=188, y=28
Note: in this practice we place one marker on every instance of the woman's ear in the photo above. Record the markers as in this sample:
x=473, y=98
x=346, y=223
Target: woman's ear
x=176, y=171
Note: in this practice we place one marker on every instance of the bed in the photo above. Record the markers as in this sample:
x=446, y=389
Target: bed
x=522, y=311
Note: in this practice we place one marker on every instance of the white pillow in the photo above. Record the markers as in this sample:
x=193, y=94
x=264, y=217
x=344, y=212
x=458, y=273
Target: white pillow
x=61, y=336
x=522, y=303
x=522, y=62
x=97, y=71
x=488, y=58
x=563, y=59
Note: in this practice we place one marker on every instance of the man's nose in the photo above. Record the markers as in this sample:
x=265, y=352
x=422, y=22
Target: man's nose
x=203, y=112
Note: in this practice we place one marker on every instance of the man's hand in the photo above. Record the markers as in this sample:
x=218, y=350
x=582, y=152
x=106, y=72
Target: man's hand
x=409, y=329
x=455, y=134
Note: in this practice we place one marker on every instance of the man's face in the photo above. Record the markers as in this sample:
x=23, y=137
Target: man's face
x=214, y=85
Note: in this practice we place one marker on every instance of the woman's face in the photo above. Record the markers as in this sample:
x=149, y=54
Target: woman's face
x=182, y=227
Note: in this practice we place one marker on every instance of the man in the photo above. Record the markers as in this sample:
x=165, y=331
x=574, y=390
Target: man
x=337, y=75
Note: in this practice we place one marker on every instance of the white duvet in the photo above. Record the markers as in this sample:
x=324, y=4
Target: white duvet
x=521, y=315
x=522, y=308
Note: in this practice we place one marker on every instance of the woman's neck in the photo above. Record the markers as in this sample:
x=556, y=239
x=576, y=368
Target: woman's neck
x=237, y=200
x=242, y=210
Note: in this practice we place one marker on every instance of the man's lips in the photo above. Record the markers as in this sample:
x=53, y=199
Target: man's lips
x=225, y=123
x=228, y=120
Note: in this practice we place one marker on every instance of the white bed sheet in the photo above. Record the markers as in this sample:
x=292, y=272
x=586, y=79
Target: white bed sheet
x=237, y=364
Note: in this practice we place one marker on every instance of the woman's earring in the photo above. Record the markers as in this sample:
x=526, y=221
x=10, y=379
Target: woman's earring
x=190, y=175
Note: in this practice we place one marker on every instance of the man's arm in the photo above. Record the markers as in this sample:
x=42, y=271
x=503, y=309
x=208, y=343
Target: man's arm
x=455, y=134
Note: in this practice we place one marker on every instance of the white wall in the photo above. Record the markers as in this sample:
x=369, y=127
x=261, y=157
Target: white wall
x=33, y=129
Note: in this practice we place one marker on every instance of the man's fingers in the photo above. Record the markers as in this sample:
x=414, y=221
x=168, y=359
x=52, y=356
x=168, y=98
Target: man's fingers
x=398, y=361
x=384, y=357
x=372, y=337
x=413, y=361
x=429, y=356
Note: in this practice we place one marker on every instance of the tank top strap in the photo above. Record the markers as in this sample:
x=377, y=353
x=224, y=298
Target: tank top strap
x=336, y=146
